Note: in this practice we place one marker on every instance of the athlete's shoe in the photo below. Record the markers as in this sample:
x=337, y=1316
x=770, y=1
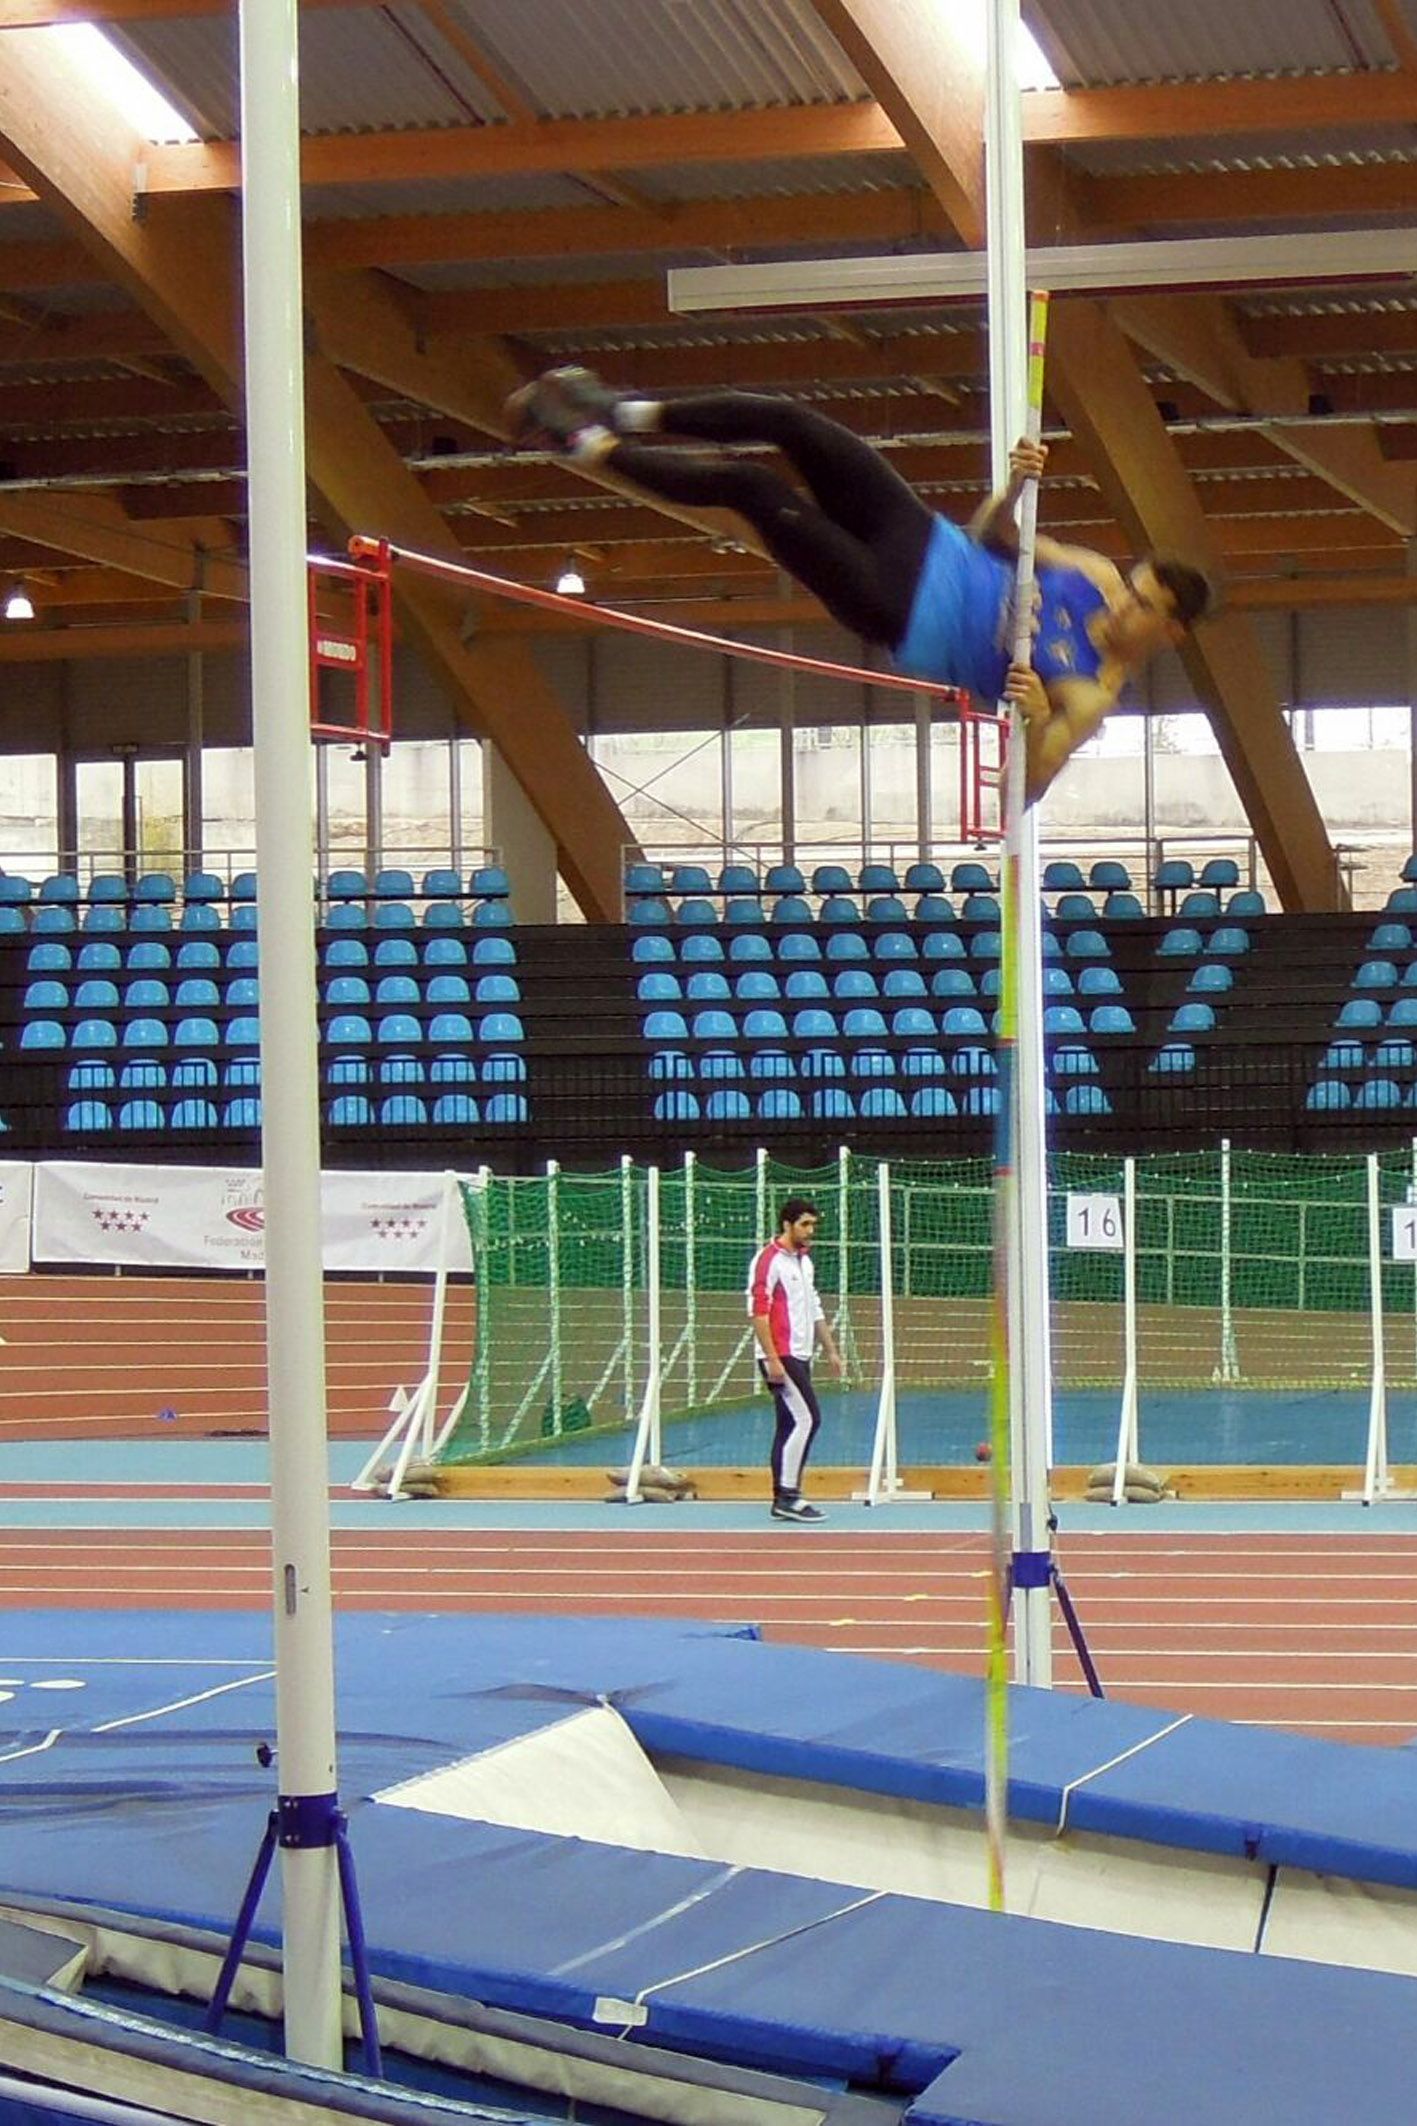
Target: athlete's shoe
x=796, y=1510
x=554, y=409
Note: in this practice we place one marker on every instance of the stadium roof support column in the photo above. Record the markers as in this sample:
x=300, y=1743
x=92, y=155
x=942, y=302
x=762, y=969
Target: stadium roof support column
x=1095, y=382
x=178, y=259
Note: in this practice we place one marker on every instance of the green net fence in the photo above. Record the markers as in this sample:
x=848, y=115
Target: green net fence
x=1251, y=1270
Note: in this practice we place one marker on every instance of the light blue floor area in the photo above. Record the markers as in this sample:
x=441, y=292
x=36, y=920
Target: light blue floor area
x=68, y=1469
x=1251, y=1425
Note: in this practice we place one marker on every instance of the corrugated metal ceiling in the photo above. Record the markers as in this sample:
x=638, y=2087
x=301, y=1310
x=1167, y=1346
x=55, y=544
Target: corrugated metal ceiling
x=1094, y=42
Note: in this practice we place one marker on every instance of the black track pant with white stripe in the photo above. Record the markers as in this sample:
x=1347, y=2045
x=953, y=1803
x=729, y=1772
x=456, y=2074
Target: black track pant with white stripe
x=798, y=1420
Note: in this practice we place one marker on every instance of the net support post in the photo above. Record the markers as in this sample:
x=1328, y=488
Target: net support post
x=883, y=1483
x=648, y=1450
x=415, y=1414
x=1128, y=1444
x=1377, y=1486
x=1227, y=1370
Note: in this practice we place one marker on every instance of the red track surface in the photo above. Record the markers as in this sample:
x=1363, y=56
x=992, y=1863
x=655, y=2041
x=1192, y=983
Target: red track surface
x=1316, y=1633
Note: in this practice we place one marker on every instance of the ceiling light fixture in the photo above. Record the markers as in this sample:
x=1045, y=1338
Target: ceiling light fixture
x=18, y=605
x=571, y=583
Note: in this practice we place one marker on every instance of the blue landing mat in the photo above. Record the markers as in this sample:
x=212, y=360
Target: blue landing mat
x=137, y=1788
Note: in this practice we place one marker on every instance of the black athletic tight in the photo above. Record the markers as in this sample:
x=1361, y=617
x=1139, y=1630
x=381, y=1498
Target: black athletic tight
x=859, y=549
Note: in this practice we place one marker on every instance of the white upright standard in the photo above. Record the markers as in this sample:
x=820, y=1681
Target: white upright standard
x=1030, y=1367
x=295, y=1335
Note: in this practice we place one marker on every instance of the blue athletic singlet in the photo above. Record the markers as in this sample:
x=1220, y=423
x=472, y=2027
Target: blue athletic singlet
x=959, y=617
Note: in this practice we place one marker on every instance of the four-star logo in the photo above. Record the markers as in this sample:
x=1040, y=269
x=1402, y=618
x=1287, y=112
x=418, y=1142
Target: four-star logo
x=118, y=1218
x=397, y=1225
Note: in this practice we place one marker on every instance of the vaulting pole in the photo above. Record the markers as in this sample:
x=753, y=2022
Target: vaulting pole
x=295, y=1339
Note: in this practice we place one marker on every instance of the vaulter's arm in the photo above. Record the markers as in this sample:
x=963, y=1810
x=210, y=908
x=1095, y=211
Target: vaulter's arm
x=1056, y=721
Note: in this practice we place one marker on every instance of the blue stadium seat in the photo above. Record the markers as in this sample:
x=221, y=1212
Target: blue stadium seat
x=398, y=1029
x=490, y=883
x=1328, y=1095
x=756, y=985
x=505, y=1109
x=799, y=947
x=1397, y=1054
x=854, y=983
x=453, y=1028
x=1245, y=903
x=1379, y=1092
x=912, y=1022
x=642, y=910
x=1075, y=908
x=246, y=953
x=199, y=916
x=1111, y=1018
x=197, y=1033
x=452, y=952
x=881, y=1103
x=893, y=946
x=94, y=1033
x=1176, y=874
x=46, y=995
x=1072, y=1061
x=1062, y=875
x=665, y=1026
x=1083, y=1097
x=689, y=878
x=42, y=1033
x=394, y=915
x=934, y=908
x=199, y=992
x=103, y=917
x=146, y=994
x=932, y=1100
x=1362, y=1011
x=442, y=883
x=443, y=915
x=696, y=913
x=341, y=1070
x=15, y=890
x=644, y=878
x=245, y=1070
x=350, y=1111
x=699, y=949
x=962, y=1022
x=108, y=886
x=780, y=1103
x=648, y=950
x=773, y=1063
x=743, y=912
x=12, y=919
x=93, y=1075
x=501, y=1026
x=394, y=883
x=739, y=878
x=886, y=908
x=145, y=1033
x=1062, y=1018
x=764, y=1024
x=863, y=1022
x=676, y=1106
x=488, y=989
x=149, y=916
x=1229, y=941
x=1220, y=871
x=98, y=955
x=942, y=945
x=193, y=1114
x=346, y=992
x=922, y=1063
x=813, y=1024
x=144, y=1115
x=749, y=948
x=823, y=1063
x=399, y=989
x=981, y=1100
x=148, y=956
x=55, y=921
x=1402, y=1013
x=244, y=917
x=837, y=910
x=870, y=1063
x=1391, y=938
x=1097, y=979
x=503, y=1069
x=403, y=1111
x=982, y=908
x=192, y=1073
x=349, y=1030
x=1122, y=907
x=806, y=982
x=1181, y=943
x=88, y=1117
x=1344, y=1055
x=347, y=884
x=1192, y=1018
x=96, y=993
x=1107, y=875
x=728, y=1104
x=453, y=1068
x=61, y=888
x=971, y=877
x=50, y=957
x=831, y=878
x=924, y=878
x=1087, y=945
x=877, y=878
x=1210, y=978
x=832, y=1103
x=455, y=1109
x=707, y=987
x=1057, y=982
x=900, y=982
x=494, y=952
x=244, y=1113
x=1175, y=1059
x=848, y=947
x=779, y=878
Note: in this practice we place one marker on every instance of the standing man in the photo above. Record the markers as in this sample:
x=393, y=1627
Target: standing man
x=789, y=1324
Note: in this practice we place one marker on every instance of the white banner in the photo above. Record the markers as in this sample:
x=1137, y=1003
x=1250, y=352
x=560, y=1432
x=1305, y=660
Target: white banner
x=16, y=1190
x=213, y=1218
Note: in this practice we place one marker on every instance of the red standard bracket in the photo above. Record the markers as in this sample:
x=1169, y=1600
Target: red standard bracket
x=351, y=632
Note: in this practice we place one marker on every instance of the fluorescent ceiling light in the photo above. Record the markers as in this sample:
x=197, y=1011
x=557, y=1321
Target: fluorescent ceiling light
x=1200, y=262
x=17, y=603
x=112, y=75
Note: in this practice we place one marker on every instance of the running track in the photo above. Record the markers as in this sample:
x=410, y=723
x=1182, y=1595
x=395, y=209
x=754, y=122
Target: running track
x=1311, y=1632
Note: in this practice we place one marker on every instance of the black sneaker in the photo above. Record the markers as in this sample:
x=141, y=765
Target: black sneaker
x=796, y=1510
x=555, y=407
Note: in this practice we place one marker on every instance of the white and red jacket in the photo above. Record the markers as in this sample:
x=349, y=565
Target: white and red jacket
x=782, y=1284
